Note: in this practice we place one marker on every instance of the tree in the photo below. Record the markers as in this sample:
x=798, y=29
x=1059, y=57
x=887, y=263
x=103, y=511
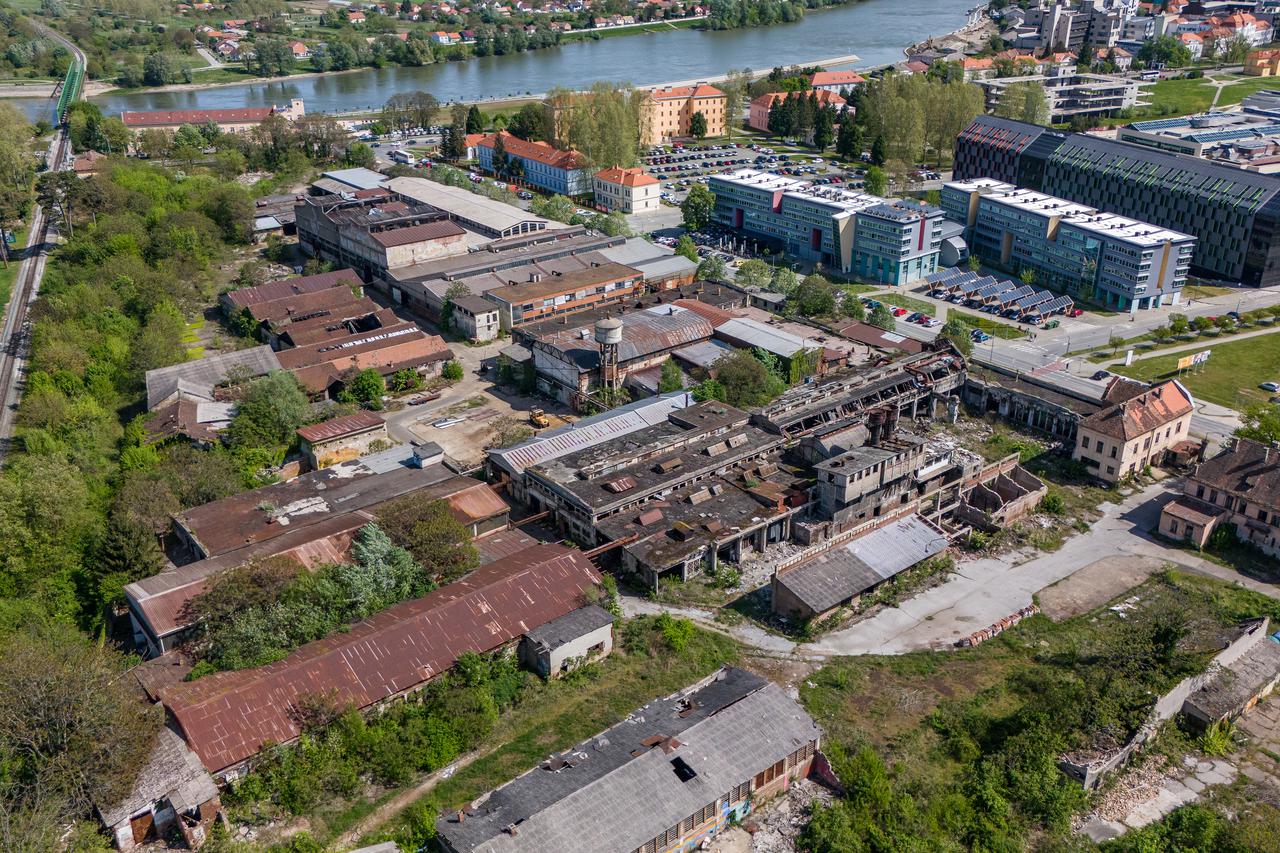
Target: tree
x=17, y=171
x=735, y=85
x=712, y=269
x=878, y=153
x=1235, y=50
x=876, y=182
x=815, y=297
x=269, y=413
x=849, y=142
x=975, y=263
x=557, y=207
x=851, y=306
x=744, y=381
x=475, y=119
x=672, y=378
x=451, y=370
x=1084, y=59
x=1025, y=101
x=157, y=70
x=881, y=318
x=440, y=543
x=1261, y=423
x=361, y=155
x=824, y=129
x=698, y=126
x=1165, y=51
x=1027, y=276
x=72, y=732
x=754, y=273
x=1179, y=324
x=530, y=123
x=697, y=207
x=687, y=248
x=785, y=280
x=957, y=334
x=366, y=388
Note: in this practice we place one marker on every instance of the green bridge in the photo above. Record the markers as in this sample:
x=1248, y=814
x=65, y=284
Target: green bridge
x=70, y=89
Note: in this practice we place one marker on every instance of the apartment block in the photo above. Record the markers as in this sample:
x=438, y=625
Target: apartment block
x=627, y=190
x=1119, y=262
x=890, y=242
x=1073, y=94
x=1234, y=214
x=1240, y=486
x=667, y=113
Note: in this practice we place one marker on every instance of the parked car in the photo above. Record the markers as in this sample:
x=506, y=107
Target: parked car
x=1075, y=312
x=899, y=312
x=933, y=323
x=1270, y=386
x=914, y=317
x=1100, y=375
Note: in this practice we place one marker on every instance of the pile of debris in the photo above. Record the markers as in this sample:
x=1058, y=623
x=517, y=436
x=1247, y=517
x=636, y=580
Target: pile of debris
x=997, y=628
x=775, y=828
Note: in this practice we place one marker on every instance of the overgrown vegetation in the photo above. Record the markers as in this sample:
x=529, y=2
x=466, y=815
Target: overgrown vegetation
x=959, y=751
x=258, y=613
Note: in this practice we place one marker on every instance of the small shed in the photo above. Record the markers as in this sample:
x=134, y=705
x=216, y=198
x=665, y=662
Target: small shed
x=173, y=790
x=1238, y=685
x=582, y=635
x=342, y=439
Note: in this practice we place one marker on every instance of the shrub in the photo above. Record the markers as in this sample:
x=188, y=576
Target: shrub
x=676, y=633
x=452, y=371
x=1053, y=504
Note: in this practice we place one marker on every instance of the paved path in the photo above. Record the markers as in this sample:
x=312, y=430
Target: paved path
x=1198, y=344
x=982, y=591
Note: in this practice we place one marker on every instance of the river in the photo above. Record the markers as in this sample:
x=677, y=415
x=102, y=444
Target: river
x=876, y=31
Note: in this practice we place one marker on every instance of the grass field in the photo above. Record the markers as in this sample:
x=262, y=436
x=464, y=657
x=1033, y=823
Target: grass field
x=1237, y=92
x=596, y=35
x=1204, y=291
x=1229, y=378
x=1183, y=96
x=938, y=722
x=908, y=302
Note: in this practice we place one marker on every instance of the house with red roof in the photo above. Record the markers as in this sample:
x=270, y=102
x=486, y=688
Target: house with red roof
x=1123, y=439
x=627, y=190
x=227, y=717
x=835, y=81
x=537, y=164
x=228, y=121
x=761, y=106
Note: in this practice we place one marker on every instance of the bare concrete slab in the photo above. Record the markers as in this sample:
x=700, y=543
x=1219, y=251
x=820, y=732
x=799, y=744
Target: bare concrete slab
x=1095, y=585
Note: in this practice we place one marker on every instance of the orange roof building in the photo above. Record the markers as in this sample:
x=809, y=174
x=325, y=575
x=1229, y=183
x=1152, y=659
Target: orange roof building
x=667, y=113
x=762, y=105
x=1121, y=440
x=835, y=81
x=627, y=190
x=538, y=164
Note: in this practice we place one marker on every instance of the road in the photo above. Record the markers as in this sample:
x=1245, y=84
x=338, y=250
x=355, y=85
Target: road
x=983, y=591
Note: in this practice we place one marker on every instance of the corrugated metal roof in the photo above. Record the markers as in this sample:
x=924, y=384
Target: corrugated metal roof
x=227, y=716
x=644, y=333
x=202, y=375
x=850, y=570
x=703, y=354
x=589, y=432
x=341, y=427
x=756, y=334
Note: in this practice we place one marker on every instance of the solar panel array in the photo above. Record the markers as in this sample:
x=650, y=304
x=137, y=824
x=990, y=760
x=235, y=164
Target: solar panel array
x=1011, y=297
x=1059, y=303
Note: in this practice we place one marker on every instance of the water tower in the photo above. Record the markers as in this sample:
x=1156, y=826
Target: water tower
x=609, y=336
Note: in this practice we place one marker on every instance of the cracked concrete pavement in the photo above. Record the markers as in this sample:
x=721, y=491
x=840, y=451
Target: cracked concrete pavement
x=982, y=591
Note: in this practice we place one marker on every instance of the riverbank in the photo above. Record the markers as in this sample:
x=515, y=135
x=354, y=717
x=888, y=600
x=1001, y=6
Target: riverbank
x=971, y=38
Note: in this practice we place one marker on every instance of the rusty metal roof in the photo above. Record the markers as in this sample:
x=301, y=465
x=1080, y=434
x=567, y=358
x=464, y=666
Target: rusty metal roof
x=341, y=427
x=644, y=333
x=286, y=287
x=226, y=717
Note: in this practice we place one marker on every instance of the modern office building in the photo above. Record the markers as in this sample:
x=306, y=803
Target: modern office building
x=1233, y=213
x=1200, y=135
x=1119, y=262
x=900, y=240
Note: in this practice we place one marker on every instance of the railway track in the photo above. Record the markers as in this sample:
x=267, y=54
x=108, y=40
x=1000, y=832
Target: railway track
x=15, y=338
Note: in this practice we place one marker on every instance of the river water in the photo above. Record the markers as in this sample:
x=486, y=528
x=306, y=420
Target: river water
x=876, y=31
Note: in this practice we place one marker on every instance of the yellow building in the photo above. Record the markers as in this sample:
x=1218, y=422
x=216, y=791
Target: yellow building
x=1262, y=63
x=1121, y=440
x=666, y=113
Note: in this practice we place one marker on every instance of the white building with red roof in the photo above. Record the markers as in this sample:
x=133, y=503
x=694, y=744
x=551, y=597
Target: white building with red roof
x=835, y=81
x=627, y=190
x=228, y=121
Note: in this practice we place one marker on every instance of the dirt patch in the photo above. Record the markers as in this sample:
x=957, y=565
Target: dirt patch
x=1095, y=585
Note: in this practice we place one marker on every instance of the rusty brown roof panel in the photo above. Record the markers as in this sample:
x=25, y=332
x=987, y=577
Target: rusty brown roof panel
x=341, y=427
x=226, y=717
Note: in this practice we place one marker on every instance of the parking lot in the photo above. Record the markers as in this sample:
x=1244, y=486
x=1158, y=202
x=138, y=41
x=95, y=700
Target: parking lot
x=680, y=166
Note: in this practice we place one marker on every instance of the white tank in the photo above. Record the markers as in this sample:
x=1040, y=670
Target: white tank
x=609, y=331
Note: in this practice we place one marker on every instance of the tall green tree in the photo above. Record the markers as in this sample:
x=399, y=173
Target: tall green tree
x=698, y=126
x=697, y=207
